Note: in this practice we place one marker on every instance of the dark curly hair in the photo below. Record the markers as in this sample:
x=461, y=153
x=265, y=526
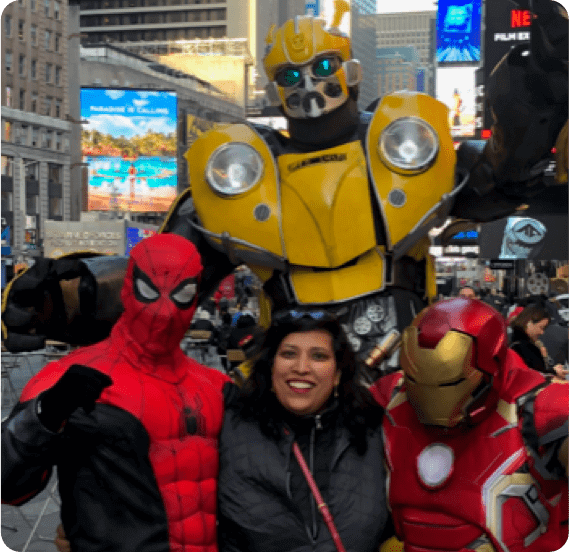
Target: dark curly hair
x=359, y=411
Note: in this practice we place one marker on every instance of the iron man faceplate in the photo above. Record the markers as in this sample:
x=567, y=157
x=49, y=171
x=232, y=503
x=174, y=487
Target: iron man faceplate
x=475, y=442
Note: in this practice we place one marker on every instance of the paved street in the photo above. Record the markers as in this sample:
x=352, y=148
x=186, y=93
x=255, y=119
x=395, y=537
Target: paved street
x=17, y=523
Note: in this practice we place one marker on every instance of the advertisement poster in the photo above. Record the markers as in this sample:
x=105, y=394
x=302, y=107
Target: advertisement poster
x=130, y=146
x=458, y=31
x=456, y=89
x=538, y=237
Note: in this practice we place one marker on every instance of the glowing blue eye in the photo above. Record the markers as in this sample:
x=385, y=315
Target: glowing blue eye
x=289, y=76
x=324, y=67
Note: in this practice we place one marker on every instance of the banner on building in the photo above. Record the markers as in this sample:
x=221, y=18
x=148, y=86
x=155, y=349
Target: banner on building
x=456, y=89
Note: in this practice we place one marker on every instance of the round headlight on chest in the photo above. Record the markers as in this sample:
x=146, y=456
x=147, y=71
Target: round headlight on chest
x=234, y=168
x=408, y=145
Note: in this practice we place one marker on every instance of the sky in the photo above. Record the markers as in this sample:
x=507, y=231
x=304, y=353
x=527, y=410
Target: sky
x=388, y=6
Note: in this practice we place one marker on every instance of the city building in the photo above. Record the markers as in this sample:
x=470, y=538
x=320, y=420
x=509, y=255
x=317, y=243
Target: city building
x=398, y=68
x=364, y=44
x=38, y=129
x=417, y=29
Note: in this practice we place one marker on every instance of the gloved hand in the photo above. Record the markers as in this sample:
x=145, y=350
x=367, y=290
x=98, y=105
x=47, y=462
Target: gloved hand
x=32, y=306
x=80, y=386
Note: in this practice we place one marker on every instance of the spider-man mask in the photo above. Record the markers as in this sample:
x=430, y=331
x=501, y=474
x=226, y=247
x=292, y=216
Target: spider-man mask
x=159, y=294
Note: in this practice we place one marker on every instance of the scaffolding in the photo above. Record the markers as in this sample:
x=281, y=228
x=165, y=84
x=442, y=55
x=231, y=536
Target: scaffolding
x=235, y=47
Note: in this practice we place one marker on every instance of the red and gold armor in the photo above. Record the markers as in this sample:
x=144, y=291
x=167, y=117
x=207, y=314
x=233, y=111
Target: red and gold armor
x=475, y=442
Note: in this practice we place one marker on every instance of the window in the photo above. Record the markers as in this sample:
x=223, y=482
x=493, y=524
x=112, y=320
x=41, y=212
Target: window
x=32, y=205
x=46, y=7
x=57, y=75
x=54, y=172
x=34, y=102
x=48, y=67
x=35, y=136
x=58, y=139
x=56, y=9
x=22, y=66
x=22, y=3
x=47, y=39
x=8, y=25
x=47, y=105
x=8, y=61
x=21, y=26
x=34, y=69
x=33, y=5
x=31, y=169
x=34, y=34
x=7, y=166
x=7, y=197
x=24, y=132
x=55, y=207
x=22, y=100
x=58, y=108
x=46, y=140
x=66, y=144
x=57, y=42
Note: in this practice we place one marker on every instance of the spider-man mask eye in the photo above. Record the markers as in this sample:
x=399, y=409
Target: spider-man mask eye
x=144, y=290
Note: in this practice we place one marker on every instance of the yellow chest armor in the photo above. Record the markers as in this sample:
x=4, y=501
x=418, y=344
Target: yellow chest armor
x=313, y=211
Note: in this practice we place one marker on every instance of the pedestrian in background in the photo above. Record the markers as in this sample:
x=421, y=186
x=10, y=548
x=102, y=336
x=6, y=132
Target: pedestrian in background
x=527, y=327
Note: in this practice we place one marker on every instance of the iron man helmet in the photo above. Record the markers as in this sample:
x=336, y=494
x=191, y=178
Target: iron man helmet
x=451, y=356
x=310, y=67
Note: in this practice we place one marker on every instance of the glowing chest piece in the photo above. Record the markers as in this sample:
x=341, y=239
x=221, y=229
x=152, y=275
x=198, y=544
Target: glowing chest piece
x=435, y=465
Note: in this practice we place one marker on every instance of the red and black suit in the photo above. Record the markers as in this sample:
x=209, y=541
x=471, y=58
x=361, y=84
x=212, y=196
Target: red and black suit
x=139, y=471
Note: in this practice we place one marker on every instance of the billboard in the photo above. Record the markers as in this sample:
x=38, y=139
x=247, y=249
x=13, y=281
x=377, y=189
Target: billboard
x=456, y=89
x=130, y=146
x=458, y=31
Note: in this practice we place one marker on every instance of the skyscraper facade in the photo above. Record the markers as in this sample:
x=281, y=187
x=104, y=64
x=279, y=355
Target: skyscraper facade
x=364, y=45
x=37, y=126
x=415, y=29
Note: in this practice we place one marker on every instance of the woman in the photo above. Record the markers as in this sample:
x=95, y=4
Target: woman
x=527, y=327
x=303, y=387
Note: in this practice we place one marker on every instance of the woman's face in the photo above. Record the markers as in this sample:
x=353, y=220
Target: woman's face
x=304, y=371
x=535, y=329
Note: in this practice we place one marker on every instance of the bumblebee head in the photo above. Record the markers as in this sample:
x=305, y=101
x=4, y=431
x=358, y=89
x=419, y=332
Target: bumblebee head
x=309, y=67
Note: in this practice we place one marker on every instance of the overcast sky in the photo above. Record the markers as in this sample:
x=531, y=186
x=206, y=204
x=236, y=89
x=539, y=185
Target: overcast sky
x=388, y=6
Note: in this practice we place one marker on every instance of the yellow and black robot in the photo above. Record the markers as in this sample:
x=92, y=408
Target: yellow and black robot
x=335, y=215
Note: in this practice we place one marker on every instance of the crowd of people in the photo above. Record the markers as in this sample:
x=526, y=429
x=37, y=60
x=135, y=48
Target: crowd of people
x=536, y=331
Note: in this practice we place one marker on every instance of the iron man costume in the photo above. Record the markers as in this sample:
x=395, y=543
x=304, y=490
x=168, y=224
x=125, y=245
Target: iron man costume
x=475, y=442
x=140, y=471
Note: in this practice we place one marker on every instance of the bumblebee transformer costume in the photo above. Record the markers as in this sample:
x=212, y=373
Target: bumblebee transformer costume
x=336, y=214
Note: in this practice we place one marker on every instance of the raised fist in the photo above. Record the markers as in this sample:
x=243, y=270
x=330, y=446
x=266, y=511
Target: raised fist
x=79, y=386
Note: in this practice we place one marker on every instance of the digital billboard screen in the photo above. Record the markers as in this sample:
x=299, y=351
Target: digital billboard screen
x=458, y=31
x=456, y=89
x=130, y=146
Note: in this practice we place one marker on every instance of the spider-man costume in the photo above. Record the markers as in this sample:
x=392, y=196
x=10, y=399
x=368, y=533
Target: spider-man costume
x=475, y=442
x=139, y=471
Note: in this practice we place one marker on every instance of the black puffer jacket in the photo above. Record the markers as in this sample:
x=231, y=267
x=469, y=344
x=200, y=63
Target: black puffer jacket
x=264, y=503
x=529, y=351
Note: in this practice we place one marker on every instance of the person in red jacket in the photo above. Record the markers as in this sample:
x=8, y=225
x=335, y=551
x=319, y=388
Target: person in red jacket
x=475, y=442
x=131, y=423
